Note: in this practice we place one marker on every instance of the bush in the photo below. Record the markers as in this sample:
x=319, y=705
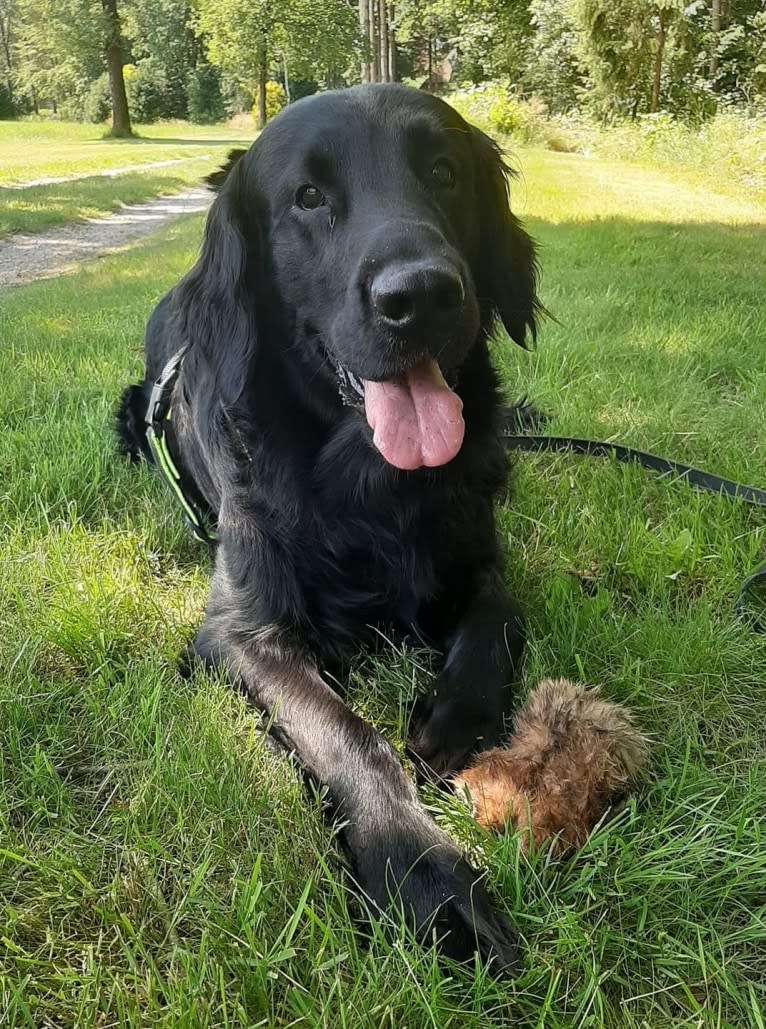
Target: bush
x=276, y=98
x=496, y=109
x=147, y=87
x=98, y=100
x=203, y=95
x=302, y=87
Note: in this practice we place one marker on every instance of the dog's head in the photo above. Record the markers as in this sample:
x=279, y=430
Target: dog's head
x=368, y=234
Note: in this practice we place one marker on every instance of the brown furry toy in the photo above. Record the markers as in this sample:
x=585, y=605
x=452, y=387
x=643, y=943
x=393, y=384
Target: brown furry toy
x=571, y=754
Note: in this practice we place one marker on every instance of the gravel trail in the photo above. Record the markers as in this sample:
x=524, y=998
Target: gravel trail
x=26, y=257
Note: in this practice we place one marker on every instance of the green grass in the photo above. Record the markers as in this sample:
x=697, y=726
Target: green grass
x=48, y=149
x=179, y=876
x=728, y=149
x=43, y=150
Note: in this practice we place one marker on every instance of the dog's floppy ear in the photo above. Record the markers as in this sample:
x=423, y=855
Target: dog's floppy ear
x=214, y=306
x=216, y=179
x=508, y=269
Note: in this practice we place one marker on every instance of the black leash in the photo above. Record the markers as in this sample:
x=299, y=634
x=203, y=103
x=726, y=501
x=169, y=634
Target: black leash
x=753, y=592
x=595, y=448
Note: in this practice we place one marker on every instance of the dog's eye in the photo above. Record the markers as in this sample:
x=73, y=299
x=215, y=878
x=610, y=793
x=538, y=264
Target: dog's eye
x=443, y=173
x=309, y=198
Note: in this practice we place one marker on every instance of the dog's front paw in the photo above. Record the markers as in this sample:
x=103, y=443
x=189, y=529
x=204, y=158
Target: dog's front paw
x=448, y=728
x=409, y=867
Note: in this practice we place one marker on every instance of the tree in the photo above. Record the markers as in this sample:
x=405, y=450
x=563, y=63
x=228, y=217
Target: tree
x=364, y=31
x=114, y=65
x=321, y=41
x=7, y=26
x=622, y=43
x=715, y=25
x=554, y=71
x=238, y=35
x=378, y=33
x=160, y=35
x=484, y=39
x=246, y=38
x=62, y=46
x=57, y=51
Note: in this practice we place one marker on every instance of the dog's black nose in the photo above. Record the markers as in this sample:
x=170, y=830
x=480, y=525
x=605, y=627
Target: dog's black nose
x=407, y=295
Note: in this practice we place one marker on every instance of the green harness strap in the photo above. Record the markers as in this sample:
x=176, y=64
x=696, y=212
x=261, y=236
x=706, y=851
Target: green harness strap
x=157, y=417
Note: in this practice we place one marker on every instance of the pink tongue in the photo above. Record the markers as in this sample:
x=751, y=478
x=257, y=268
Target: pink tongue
x=416, y=419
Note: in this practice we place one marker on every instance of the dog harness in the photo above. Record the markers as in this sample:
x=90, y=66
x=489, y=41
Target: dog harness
x=158, y=424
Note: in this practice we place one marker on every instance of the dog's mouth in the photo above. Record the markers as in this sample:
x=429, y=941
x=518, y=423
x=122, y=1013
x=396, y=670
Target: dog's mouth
x=415, y=417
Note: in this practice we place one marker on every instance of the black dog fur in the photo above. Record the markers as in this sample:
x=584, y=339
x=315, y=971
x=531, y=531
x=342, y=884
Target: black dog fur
x=320, y=537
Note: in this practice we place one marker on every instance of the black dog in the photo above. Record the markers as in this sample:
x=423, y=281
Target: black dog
x=338, y=412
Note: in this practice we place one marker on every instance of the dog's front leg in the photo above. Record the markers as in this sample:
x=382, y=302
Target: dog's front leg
x=400, y=858
x=466, y=707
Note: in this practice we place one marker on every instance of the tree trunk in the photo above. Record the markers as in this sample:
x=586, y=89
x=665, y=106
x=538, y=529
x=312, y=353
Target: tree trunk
x=113, y=52
x=391, y=43
x=715, y=20
x=5, y=35
x=374, y=43
x=383, y=26
x=364, y=32
x=287, y=78
x=658, y=59
x=262, y=68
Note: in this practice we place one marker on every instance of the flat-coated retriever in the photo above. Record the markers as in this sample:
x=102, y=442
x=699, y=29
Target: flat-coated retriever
x=338, y=412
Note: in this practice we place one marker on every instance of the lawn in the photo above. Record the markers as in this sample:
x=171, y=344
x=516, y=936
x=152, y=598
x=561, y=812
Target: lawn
x=162, y=158
x=160, y=864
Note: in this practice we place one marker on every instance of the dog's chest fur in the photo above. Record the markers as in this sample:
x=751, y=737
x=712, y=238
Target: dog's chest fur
x=382, y=541
x=372, y=527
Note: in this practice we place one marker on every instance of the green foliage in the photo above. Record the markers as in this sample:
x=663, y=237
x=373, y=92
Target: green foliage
x=159, y=30
x=613, y=59
x=149, y=95
x=727, y=149
x=8, y=108
x=204, y=97
x=320, y=41
x=57, y=52
x=313, y=40
x=554, y=71
x=239, y=35
x=617, y=44
x=98, y=102
x=496, y=109
x=488, y=38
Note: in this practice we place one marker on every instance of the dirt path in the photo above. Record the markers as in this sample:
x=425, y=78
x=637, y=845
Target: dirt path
x=25, y=257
